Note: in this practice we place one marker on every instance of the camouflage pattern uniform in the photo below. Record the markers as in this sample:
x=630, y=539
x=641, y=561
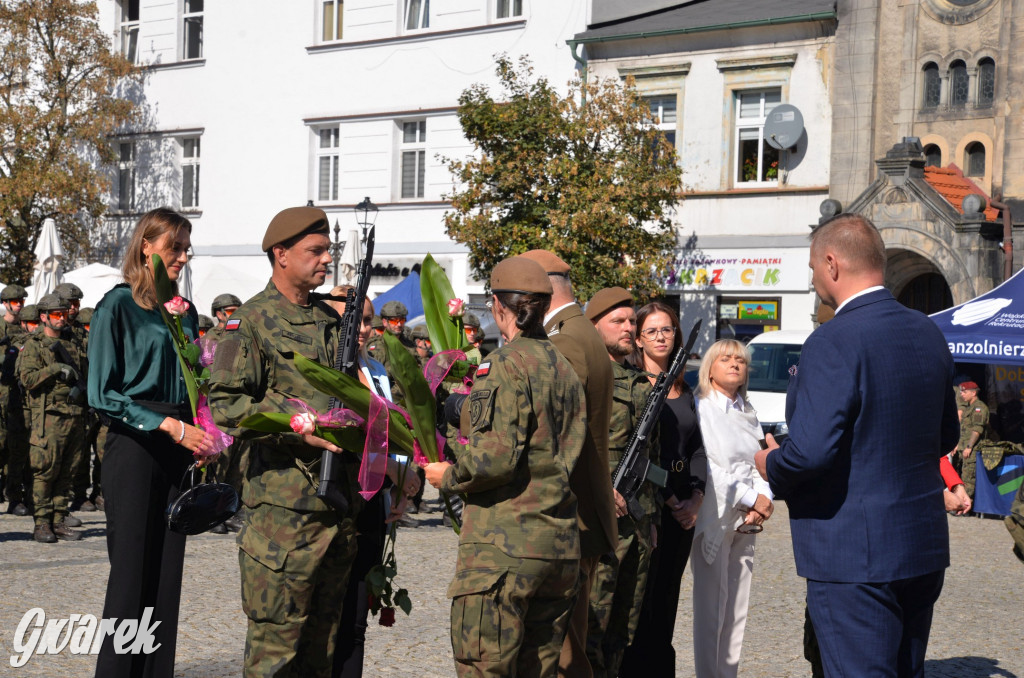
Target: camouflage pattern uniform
x=518, y=564
x=974, y=420
x=1015, y=523
x=617, y=593
x=13, y=432
x=378, y=350
x=232, y=464
x=296, y=551
x=57, y=422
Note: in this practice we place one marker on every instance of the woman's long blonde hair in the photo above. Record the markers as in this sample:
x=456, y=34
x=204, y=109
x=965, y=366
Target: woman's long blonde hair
x=722, y=347
x=135, y=269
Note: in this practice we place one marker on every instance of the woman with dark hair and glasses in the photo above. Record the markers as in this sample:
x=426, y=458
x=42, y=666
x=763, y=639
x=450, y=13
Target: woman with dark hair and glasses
x=518, y=565
x=135, y=381
x=682, y=455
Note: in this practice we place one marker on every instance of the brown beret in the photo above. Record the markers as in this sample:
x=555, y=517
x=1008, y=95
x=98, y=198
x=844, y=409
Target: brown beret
x=292, y=222
x=551, y=264
x=521, y=275
x=607, y=299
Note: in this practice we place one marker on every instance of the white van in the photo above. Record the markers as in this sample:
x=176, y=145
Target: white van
x=772, y=354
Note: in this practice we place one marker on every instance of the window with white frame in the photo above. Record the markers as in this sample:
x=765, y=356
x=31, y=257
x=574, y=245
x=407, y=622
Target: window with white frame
x=756, y=161
x=413, y=154
x=508, y=9
x=126, y=176
x=331, y=19
x=192, y=29
x=190, y=172
x=417, y=14
x=327, y=164
x=129, y=30
x=663, y=114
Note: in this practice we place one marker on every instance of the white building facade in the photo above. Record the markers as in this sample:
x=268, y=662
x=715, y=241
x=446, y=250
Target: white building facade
x=251, y=106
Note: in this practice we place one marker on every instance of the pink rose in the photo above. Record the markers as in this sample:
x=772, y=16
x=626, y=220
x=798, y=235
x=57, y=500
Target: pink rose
x=177, y=306
x=303, y=423
x=455, y=309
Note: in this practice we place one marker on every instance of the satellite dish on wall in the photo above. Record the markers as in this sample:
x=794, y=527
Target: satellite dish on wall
x=784, y=126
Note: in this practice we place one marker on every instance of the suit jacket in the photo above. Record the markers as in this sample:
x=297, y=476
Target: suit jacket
x=576, y=339
x=870, y=411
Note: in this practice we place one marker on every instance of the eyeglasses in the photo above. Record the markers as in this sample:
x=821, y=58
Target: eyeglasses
x=57, y=315
x=652, y=332
x=395, y=321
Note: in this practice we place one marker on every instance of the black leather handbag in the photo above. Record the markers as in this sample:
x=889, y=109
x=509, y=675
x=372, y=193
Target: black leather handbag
x=200, y=507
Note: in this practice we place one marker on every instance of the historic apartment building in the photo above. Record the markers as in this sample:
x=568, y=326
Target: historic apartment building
x=252, y=106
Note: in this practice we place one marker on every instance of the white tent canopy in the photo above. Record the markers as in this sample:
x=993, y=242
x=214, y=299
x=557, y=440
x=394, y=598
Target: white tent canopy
x=95, y=280
x=213, y=276
x=49, y=254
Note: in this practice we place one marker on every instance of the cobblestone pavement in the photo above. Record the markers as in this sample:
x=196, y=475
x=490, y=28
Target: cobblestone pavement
x=976, y=632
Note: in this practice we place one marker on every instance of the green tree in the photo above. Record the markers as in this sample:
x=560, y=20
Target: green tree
x=58, y=106
x=592, y=182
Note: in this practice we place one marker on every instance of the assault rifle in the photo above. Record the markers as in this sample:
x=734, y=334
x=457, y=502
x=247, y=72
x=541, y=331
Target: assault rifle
x=61, y=353
x=635, y=467
x=345, y=361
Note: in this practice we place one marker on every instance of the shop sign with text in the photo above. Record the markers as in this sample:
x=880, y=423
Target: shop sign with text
x=738, y=270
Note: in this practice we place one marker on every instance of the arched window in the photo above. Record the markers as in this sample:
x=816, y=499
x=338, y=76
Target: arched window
x=932, y=86
x=974, y=159
x=986, y=82
x=958, y=84
x=932, y=156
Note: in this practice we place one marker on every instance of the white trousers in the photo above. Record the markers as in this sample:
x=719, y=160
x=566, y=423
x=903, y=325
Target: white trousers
x=721, y=594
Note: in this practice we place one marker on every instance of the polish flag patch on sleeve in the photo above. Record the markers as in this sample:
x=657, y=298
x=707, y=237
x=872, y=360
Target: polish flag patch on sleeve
x=233, y=324
x=483, y=369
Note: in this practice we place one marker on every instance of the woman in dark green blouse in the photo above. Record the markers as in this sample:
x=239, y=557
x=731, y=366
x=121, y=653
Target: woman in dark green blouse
x=135, y=382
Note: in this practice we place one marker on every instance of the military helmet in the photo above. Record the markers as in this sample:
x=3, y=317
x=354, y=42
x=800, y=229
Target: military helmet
x=85, y=315
x=225, y=300
x=12, y=292
x=470, y=320
x=205, y=322
x=69, y=291
x=420, y=332
x=376, y=323
x=52, y=302
x=30, y=313
x=394, y=309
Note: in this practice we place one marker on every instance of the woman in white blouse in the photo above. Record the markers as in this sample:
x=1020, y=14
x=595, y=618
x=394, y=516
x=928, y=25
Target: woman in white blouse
x=736, y=504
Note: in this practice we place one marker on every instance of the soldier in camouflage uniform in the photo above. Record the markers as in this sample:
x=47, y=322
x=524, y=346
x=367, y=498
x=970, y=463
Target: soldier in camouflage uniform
x=393, y=315
x=80, y=461
x=296, y=551
x=13, y=432
x=205, y=324
x=617, y=593
x=223, y=306
x=96, y=438
x=423, y=348
x=518, y=563
x=973, y=430
x=1015, y=523
x=56, y=400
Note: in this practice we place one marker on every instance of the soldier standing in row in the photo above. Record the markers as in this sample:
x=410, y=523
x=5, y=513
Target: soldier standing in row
x=52, y=370
x=474, y=333
x=13, y=432
x=296, y=551
x=205, y=324
x=80, y=460
x=222, y=308
x=617, y=594
x=518, y=560
x=423, y=347
x=393, y=315
x=96, y=437
x=973, y=430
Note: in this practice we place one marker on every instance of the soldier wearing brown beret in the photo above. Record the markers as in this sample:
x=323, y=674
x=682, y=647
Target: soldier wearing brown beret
x=579, y=342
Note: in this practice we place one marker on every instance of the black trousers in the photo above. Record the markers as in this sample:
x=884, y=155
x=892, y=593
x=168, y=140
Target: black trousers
x=141, y=475
x=355, y=612
x=651, y=653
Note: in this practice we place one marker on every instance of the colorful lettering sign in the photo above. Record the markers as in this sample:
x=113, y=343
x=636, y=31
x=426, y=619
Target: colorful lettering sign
x=737, y=270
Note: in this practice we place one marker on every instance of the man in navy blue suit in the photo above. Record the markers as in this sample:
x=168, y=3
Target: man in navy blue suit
x=870, y=411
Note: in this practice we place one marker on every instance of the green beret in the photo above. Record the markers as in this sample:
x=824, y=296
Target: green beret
x=52, y=302
x=420, y=332
x=551, y=264
x=205, y=322
x=13, y=292
x=225, y=300
x=394, y=309
x=292, y=222
x=470, y=320
x=85, y=315
x=607, y=299
x=520, y=275
x=69, y=291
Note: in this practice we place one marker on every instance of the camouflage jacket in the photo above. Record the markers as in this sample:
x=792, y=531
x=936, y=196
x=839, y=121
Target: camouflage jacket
x=378, y=350
x=629, y=396
x=253, y=372
x=40, y=373
x=974, y=420
x=528, y=423
x=12, y=338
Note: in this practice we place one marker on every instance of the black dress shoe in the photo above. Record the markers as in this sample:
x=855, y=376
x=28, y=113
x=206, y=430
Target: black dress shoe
x=18, y=509
x=44, y=534
x=233, y=524
x=218, y=529
x=100, y=504
x=87, y=506
x=63, y=531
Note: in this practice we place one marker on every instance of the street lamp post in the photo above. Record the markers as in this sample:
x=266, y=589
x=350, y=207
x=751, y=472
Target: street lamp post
x=337, y=247
x=366, y=214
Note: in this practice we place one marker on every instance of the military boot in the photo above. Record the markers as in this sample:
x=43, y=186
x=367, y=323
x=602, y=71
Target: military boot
x=64, y=531
x=72, y=521
x=43, y=534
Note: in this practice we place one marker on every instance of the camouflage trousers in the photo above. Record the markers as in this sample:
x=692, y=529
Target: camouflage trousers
x=1015, y=523
x=294, y=567
x=232, y=464
x=968, y=470
x=14, y=448
x=509, y=615
x=51, y=456
x=617, y=596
